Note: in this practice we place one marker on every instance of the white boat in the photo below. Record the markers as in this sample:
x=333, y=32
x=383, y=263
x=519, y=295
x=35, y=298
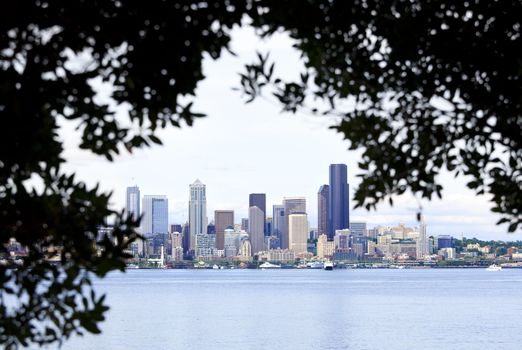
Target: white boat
x=316, y=265
x=328, y=266
x=215, y=267
x=494, y=267
x=268, y=265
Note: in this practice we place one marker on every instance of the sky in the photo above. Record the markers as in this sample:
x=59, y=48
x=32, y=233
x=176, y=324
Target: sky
x=254, y=148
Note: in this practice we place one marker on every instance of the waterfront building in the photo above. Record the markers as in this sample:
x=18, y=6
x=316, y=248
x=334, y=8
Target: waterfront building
x=197, y=211
x=175, y=240
x=321, y=245
x=206, y=246
x=323, y=198
x=297, y=232
x=444, y=241
x=155, y=215
x=272, y=242
x=245, y=250
x=358, y=245
x=371, y=248
x=326, y=249
x=278, y=222
x=404, y=247
x=447, y=253
x=132, y=205
x=223, y=219
x=232, y=240
x=292, y=205
x=258, y=200
x=339, y=205
x=256, y=228
x=342, y=239
x=284, y=256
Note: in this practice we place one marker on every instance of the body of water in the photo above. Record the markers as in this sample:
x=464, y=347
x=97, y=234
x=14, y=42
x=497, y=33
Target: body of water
x=310, y=309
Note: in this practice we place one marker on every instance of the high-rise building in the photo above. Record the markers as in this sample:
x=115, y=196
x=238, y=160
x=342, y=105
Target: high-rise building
x=244, y=224
x=297, y=232
x=197, y=211
x=232, y=242
x=278, y=222
x=292, y=205
x=185, y=239
x=223, y=219
x=444, y=241
x=175, y=228
x=258, y=200
x=256, y=228
x=132, y=206
x=358, y=228
x=211, y=228
x=422, y=241
x=155, y=215
x=339, y=205
x=322, y=209
x=268, y=226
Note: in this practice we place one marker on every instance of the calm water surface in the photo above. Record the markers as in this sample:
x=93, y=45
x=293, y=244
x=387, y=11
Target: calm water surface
x=310, y=309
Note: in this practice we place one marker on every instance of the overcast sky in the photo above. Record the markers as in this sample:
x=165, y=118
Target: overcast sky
x=245, y=148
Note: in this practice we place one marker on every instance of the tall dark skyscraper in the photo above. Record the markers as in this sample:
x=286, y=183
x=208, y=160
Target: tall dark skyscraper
x=322, y=209
x=339, y=203
x=223, y=219
x=258, y=200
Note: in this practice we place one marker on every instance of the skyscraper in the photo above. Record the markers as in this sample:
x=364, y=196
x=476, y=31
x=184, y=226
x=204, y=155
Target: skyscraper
x=292, y=205
x=339, y=205
x=422, y=241
x=297, y=232
x=185, y=239
x=222, y=219
x=358, y=228
x=132, y=206
x=258, y=200
x=256, y=228
x=155, y=215
x=244, y=224
x=197, y=211
x=322, y=209
x=278, y=221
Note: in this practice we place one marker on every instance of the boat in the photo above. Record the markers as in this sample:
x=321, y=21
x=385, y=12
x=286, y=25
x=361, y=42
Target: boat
x=268, y=265
x=328, y=266
x=494, y=267
x=316, y=265
x=132, y=266
x=215, y=267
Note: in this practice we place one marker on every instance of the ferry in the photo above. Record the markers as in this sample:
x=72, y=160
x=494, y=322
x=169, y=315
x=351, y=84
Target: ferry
x=268, y=265
x=316, y=265
x=494, y=267
x=328, y=266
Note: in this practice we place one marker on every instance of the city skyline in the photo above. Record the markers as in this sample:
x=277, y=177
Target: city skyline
x=250, y=133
